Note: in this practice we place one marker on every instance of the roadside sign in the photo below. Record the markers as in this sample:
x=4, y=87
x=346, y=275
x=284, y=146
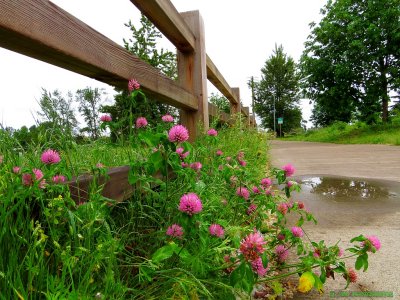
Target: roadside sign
x=280, y=120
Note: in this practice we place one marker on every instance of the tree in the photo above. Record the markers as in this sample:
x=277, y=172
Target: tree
x=351, y=60
x=90, y=102
x=144, y=45
x=221, y=102
x=58, y=111
x=279, y=88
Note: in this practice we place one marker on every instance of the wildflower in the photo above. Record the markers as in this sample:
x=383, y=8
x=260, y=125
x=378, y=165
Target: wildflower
x=181, y=154
x=38, y=174
x=252, y=246
x=317, y=253
x=297, y=231
x=190, y=204
x=242, y=163
x=133, y=84
x=306, y=282
x=50, y=157
x=58, y=179
x=300, y=205
x=219, y=153
x=281, y=252
x=372, y=241
x=255, y=190
x=240, y=155
x=350, y=275
x=224, y=202
x=141, y=122
x=196, y=166
x=289, y=170
x=167, y=118
x=341, y=252
x=291, y=183
x=266, y=182
x=16, y=169
x=228, y=158
x=220, y=167
x=216, y=230
x=99, y=165
x=258, y=267
x=252, y=208
x=212, y=132
x=283, y=208
x=178, y=134
x=175, y=231
x=27, y=179
x=243, y=192
x=184, y=165
x=281, y=236
x=105, y=118
x=233, y=179
x=269, y=192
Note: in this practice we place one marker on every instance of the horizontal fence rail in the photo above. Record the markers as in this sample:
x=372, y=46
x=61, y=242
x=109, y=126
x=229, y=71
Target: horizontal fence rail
x=42, y=30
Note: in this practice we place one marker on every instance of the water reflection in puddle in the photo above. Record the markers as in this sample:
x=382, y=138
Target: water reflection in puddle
x=349, y=189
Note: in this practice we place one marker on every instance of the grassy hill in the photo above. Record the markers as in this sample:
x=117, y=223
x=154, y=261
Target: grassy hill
x=358, y=133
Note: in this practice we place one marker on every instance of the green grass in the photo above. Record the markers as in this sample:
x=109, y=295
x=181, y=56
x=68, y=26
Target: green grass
x=359, y=133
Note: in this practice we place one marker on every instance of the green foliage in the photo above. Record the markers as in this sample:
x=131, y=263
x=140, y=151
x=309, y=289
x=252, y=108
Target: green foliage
x=221, y=102
x=351, y=62
x=144, y=45
x=58, y=111
x=54, y=246
x=358, y=133
x=278, y=88
x=90, y=101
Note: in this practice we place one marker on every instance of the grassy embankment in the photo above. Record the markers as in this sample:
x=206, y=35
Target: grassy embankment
x=358, y=133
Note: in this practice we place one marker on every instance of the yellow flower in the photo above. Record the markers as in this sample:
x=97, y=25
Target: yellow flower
x=306, y=282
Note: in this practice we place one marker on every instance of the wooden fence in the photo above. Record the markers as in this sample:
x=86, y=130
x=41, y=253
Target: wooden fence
x=42, y=30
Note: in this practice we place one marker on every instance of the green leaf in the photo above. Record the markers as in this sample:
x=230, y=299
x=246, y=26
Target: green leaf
x=145, y=274
x=165, y=252
x=319, y=286
x=300, y=222
x=359, y=262
x=359, y=238
x=243, y=277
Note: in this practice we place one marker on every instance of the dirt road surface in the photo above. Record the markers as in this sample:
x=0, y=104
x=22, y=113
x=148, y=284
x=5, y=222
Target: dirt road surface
x=342, y=220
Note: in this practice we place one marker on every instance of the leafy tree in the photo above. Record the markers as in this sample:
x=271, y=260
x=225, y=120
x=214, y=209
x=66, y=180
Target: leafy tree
x=58, y=111
x=144, y=45
x=279, y=87
x=90, y=102
x=351, y=60
x=221, y=102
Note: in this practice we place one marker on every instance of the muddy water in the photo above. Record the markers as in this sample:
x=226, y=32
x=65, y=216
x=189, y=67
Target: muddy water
x=341, y=201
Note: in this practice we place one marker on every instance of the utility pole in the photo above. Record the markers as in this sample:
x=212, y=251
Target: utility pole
x=252, y=94
x=274, y=116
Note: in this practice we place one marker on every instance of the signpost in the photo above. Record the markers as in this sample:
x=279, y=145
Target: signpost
x=280, y=122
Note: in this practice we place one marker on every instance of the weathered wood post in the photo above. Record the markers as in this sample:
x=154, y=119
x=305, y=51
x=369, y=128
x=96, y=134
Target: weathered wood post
x=236, y=107
x=192, y=75
x=246, y=116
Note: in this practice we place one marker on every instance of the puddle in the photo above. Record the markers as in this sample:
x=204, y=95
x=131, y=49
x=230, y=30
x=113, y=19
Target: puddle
x=340, y=189
x=341, y=201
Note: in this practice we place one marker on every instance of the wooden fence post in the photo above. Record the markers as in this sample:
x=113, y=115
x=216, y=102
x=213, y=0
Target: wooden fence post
x=246, y=116
x=235, y=108
x=192, y=75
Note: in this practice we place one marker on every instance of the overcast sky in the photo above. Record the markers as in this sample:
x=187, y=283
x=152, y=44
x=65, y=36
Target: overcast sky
x=240, y=36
